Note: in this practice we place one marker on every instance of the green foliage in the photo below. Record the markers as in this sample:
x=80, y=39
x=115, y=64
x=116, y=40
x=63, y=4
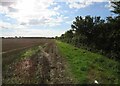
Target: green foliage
x=99, y=35
x=30, y=52
x=116, y=6
x=87, y=67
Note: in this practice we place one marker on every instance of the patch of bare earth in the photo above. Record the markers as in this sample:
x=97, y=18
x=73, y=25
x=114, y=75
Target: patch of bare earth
x=25, y=69
x=47, y=66
x=58, y=66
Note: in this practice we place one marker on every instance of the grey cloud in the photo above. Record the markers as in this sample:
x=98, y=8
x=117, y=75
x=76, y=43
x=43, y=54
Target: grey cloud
x=7, y=2
x=36, y=22
x=23, y=23
x=12, y=9
x=3, y=27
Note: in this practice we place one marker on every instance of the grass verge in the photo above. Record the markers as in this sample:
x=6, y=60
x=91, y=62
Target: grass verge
x=88, y=67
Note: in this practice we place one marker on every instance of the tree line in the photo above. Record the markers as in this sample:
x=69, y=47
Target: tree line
x=96, y=34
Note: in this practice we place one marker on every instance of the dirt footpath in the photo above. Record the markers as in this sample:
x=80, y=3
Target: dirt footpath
x=45, y=67
x=57, y=65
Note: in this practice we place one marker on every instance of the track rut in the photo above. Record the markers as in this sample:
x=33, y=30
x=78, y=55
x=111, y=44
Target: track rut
x=45, y=67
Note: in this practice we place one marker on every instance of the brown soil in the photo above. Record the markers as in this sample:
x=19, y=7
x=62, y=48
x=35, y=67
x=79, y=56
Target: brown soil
x=47, y=66
x=57, y=64
x=25, y=68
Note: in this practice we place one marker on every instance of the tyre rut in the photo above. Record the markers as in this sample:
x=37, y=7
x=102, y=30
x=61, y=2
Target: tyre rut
x=45, y=67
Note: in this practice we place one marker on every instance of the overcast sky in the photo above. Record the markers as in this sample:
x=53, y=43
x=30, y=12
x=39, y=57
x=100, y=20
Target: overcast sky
x=46, y=18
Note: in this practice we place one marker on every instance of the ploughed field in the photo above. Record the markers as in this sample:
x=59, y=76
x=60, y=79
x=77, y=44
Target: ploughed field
x=15, y=44
x=48, y=61
x=32, y=61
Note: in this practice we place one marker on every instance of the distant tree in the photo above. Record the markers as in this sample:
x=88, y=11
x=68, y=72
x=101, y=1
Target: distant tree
x=15, y=36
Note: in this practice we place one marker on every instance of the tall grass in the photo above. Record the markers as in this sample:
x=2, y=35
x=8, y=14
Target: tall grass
x=88, y=67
